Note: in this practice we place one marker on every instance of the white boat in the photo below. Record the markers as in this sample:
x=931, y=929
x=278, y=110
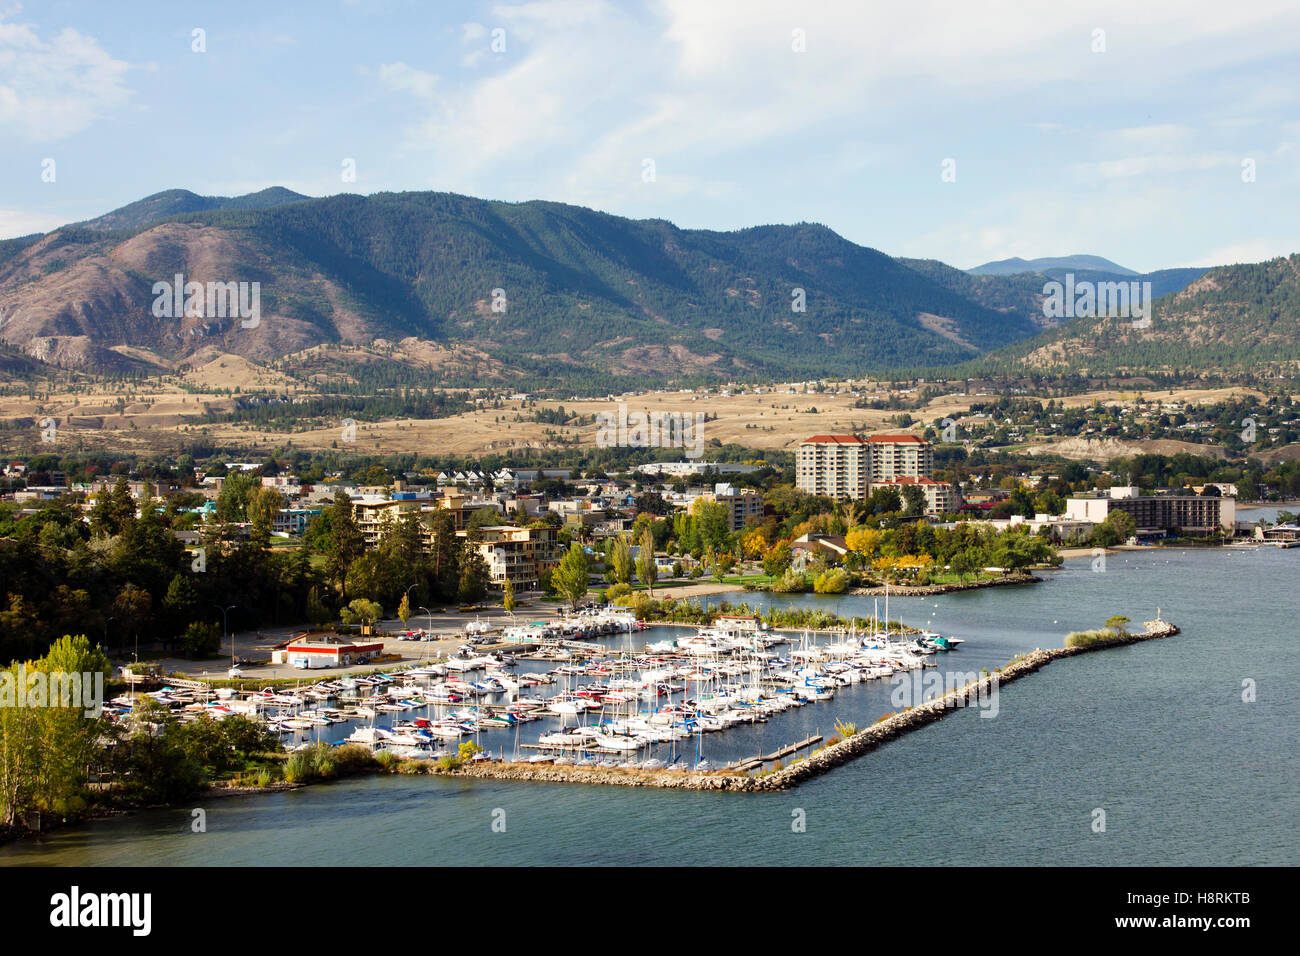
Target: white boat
x=368, y=736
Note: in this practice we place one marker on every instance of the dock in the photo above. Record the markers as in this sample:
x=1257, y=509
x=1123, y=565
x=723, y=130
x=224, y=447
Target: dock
x=754, y=763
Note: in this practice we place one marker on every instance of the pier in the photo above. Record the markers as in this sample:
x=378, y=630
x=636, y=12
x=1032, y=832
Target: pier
x=821, y=761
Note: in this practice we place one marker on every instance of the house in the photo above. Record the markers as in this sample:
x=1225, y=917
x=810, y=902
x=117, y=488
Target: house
x=808, y=547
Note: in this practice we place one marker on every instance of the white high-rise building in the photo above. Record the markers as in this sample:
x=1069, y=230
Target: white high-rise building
x=845, y=466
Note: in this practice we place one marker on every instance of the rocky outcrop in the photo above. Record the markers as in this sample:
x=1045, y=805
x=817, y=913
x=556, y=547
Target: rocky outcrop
x=926, y=590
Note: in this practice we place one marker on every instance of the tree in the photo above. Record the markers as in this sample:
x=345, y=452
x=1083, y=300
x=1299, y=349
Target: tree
x=181, y=604
x=508, y=597
x=200, y=640
x=571, y=575
x=264, y=504
x=46, y=750
x=863, y=540
x=646, y=569
x=232, y=501
x=962, y=564
x=404, y=609
x=913, y=501
x=714, y=522
x=480, y=519
x=833, y=581
x=361, y=611
x=778, y=559
x=133, y=606
x=1116, y=623
x=346, y=541
x=446, y=554
x=619, y=558
x=474, y=577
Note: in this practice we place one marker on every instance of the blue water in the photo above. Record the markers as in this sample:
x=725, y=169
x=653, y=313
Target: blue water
x=1155, y=735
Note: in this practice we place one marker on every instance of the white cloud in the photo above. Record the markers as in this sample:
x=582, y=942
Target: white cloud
x=14, y=223
x=1156, y=165
x=401, y=78
x=51, y=89
x=1254, y=250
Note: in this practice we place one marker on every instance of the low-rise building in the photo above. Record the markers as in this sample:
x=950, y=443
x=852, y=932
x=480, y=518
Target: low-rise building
x=741, y=503
x=1186, y=514
x=518, y=555
x=940, y=497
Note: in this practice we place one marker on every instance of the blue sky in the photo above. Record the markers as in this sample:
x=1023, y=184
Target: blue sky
x=1128, y=144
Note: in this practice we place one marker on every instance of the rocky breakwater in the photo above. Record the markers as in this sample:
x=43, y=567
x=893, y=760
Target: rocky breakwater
x=888, y=728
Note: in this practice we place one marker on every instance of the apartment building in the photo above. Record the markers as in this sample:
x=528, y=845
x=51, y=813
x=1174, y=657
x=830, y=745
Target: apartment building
x=518, y=555
x=741, y=503
x=900, y=456
x=940, y=497
x=837, y=466
x=374, y=513
x=846, y=466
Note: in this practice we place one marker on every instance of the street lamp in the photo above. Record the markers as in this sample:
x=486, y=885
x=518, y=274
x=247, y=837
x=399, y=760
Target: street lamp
x=225, y=630
x=407, y=595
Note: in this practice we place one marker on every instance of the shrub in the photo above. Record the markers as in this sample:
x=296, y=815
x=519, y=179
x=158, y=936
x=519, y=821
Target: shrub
x=1091, y=638
x=200, y=640
x=833, y=581
x=618, y=594
x=791, y=582
x=351, y=758
x=314, y=763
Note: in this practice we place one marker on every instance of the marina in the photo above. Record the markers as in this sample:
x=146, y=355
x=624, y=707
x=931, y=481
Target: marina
x=1141, y=731
x=649, y=698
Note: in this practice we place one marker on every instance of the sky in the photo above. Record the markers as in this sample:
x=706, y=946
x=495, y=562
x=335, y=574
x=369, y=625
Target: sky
x=1156, y=134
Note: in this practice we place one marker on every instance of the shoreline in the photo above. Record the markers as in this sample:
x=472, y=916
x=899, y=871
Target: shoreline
x=888, y=728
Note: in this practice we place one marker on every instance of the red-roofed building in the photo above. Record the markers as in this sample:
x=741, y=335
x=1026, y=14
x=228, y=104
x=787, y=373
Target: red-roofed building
x=940, y=497
x=899, y=456
x=838, y=466
x=845, y=466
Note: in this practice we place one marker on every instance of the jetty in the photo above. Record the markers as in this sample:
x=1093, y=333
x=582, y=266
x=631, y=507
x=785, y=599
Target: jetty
x=891, y=727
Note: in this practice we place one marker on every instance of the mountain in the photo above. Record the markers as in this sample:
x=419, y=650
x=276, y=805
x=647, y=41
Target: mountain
x=176, y=202
x=1230, y=318
x=542, y=291
x=1036, y=273
x=1018, y=294
x=1007, y=267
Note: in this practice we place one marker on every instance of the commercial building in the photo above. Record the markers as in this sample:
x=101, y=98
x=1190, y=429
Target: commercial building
x=1186, y=514
x=313, y=654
